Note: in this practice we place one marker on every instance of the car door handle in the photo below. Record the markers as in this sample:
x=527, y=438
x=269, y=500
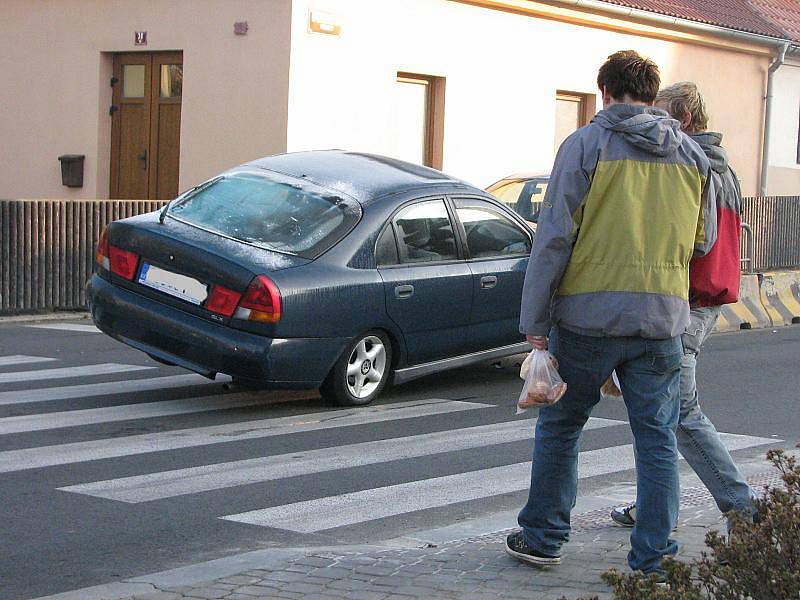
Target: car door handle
x=488, y=282
x=403, y=291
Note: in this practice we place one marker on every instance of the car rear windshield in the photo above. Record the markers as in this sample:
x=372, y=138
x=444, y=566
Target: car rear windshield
x=254, y=209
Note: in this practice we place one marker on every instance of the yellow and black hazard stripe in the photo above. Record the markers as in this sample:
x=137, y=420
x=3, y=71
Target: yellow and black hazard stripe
x=780, y=295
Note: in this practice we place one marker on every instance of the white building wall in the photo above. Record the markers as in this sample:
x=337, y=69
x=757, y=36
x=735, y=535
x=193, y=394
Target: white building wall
x=784, y=170
x=502, y=71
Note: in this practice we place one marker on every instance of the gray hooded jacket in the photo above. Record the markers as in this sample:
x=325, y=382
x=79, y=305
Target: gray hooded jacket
x=630, y=201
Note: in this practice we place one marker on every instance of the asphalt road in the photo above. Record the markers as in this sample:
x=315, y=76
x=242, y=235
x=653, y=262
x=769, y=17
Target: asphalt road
x=320, y=464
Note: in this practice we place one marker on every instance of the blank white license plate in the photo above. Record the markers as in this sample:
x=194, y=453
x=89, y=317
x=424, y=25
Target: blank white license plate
x=174, y=284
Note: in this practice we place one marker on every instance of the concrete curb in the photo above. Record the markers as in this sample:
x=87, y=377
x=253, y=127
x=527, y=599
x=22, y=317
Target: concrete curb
x=199, y=573
x=748, y=312
x=780, y=295
x=56, y=316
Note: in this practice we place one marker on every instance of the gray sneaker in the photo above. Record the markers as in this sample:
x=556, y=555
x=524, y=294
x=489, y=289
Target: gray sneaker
x=624, y=515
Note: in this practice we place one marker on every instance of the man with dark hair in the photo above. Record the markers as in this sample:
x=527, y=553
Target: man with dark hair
x=713, y=281
x=630, y=201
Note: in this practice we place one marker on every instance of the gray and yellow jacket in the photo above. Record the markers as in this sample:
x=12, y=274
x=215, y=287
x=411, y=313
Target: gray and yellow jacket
x=630, y=201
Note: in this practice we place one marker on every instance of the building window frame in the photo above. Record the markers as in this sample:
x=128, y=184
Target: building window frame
x=587, y=105
x=433, y=150
x=797, y=158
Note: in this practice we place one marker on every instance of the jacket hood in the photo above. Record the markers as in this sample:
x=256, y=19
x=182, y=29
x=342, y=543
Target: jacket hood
x=646, y=127
x=710, y=142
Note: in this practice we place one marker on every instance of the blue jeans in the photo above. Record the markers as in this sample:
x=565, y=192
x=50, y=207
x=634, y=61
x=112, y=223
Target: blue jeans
x=649, y=374
x=698, y=440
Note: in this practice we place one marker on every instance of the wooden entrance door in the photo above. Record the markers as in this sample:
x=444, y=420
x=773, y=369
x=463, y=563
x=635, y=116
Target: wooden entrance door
x=146, y=124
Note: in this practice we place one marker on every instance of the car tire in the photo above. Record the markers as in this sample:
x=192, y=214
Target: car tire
x=361, y=372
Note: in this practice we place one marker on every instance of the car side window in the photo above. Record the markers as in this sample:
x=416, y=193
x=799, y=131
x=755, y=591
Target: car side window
x=490, y=233
x=425, y=233
x=386, y=249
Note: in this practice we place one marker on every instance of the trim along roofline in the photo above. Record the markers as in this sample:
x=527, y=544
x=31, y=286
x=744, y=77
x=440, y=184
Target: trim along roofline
x=595, y=13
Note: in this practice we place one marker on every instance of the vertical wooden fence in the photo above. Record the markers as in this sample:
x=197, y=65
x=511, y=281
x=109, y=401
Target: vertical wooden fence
x=47, y=249
x=47, y=246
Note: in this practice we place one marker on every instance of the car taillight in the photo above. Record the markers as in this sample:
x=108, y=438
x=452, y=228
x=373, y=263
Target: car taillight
x=261, y=302
x=123, y=262
x=223, y=301
x=101, y=252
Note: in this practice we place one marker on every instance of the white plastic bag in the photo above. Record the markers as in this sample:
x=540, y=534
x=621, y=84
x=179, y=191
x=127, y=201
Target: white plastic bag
x=543, y=385
x=611, y=388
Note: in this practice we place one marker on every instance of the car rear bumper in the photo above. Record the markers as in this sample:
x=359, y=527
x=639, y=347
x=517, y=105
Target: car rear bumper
x=199, y=345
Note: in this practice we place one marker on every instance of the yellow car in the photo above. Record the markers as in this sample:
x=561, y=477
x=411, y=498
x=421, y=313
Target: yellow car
x=523, y=193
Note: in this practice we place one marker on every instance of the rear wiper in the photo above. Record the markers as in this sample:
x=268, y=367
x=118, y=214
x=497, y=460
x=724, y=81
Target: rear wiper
x=162, y=215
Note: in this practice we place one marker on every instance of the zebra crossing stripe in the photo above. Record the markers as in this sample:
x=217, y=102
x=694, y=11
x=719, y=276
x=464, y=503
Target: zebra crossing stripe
x=67, y=327
x=128, y=412
x=68, y=372
x=368, y=505
x=167, y=484
x=62, y=454
x=21, y=359
x=105, y=389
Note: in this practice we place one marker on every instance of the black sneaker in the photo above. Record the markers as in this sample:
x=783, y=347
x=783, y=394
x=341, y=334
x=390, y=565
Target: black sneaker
x=624, y=515
x=516, y=547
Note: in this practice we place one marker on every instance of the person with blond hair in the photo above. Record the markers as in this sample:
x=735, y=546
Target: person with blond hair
x=713, y=281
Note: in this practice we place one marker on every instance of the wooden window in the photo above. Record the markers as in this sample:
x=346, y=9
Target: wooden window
x=419, y=112
x=573, y=111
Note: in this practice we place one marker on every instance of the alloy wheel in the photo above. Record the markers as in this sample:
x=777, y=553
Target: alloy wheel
x=366, y=367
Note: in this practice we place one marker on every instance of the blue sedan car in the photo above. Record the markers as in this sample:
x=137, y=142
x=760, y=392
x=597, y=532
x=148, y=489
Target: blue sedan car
x=331, y=270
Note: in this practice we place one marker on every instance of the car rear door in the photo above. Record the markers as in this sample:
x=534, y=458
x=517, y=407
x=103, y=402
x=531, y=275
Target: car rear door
x=497, y=249
x=427, y=283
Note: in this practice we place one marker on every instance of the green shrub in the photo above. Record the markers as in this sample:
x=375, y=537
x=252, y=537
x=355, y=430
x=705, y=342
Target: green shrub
x=760, y=561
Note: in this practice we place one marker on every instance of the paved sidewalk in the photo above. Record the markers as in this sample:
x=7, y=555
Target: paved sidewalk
x=469, y=569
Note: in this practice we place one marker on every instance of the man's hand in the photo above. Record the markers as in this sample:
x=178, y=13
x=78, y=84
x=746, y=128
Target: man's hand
x=539, y=342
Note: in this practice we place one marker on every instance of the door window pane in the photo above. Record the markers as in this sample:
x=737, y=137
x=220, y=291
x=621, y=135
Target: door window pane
x=386, y=249
x=490, y=233
x=425, y=234
x=171, y=81
x=133, y=81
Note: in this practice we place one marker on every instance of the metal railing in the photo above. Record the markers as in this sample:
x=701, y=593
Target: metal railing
x=746, y=260
x=47, y=249
x=775, y=225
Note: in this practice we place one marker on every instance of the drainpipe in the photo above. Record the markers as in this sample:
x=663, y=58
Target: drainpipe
x=776, y=64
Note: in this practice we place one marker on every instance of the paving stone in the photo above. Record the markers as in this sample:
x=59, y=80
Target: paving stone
x=302, y=587
x=367, y=595
x=285, y=576
x=286, y=595
x=374, y=570
x=256, y=590
x=209, y=593
x=160, y=595
x=331, y=572
x=315, y=561
x=240, y=579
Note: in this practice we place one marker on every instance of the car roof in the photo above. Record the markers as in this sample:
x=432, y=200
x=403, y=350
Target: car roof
x=365, y=177
x=523, y=176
